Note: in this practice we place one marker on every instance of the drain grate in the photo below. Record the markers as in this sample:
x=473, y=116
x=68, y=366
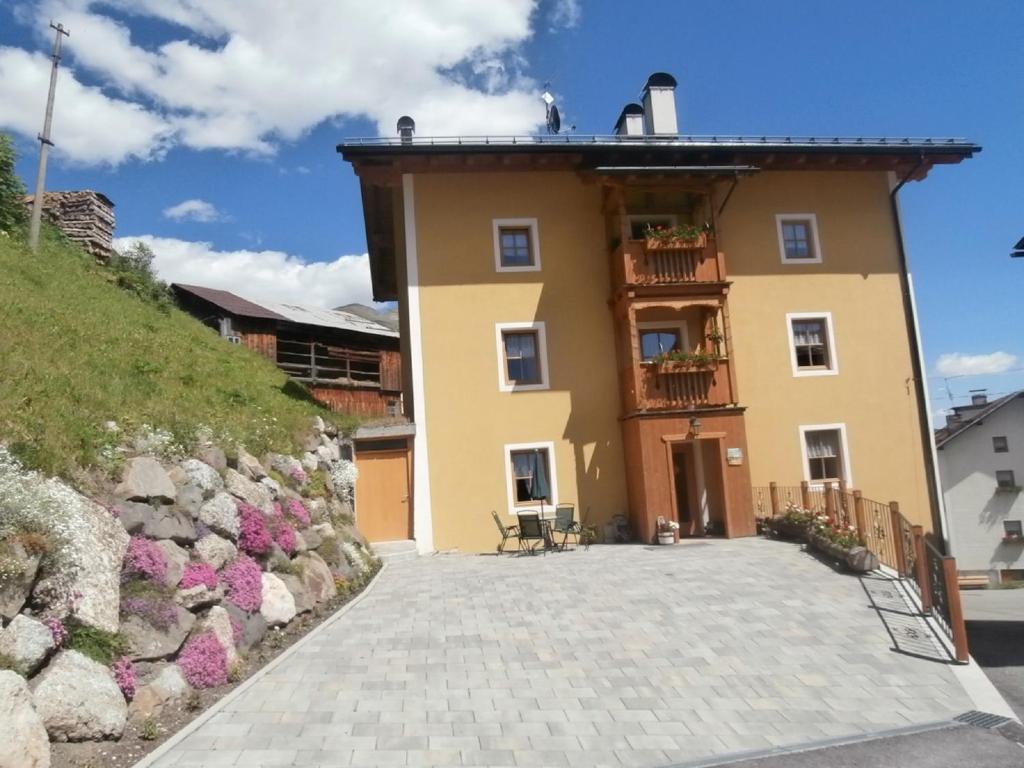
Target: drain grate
x=982, y=719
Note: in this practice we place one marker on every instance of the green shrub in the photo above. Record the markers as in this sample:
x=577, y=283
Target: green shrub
x=13, y=215
x=99, y=645
x=150, y=729
x=316, y=485
x=8, y=663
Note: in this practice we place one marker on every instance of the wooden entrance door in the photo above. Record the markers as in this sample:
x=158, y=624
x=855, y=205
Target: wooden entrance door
x=383, y=508
x=684, y=482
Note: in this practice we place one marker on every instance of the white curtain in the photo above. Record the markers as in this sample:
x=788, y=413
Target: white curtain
x=823, y=445
x=808, y=333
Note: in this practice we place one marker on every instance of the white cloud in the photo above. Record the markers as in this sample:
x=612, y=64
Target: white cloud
x=566, y=14
x=260, y=275
x=193, y=210
x=957, y=364
x=88, y=126
x=247, y=76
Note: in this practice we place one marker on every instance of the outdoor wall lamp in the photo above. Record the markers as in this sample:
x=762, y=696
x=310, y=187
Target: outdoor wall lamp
x=695, y=426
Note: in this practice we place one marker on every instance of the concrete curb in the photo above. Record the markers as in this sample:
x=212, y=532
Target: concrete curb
x=810, y=746
x=222, y=703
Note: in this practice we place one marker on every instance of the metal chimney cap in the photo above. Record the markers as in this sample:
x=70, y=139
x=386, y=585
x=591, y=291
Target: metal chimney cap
x=406, y=123
x=661, y=80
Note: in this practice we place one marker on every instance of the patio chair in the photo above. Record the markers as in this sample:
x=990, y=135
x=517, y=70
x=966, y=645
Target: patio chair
x=565, y=524
x=532, y=532
x=507, y=531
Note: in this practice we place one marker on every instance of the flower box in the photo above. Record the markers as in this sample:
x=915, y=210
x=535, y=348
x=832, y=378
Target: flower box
x=1012, y=539
x=676, y=243
x=682, y=366
x=785, y=529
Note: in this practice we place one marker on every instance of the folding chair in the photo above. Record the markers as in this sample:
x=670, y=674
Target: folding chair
x=532, y=533
x=507, y=531
x=565, y=524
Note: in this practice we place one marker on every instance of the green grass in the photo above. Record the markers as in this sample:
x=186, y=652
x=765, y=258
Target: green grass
x=98, y=645
x=77, y=351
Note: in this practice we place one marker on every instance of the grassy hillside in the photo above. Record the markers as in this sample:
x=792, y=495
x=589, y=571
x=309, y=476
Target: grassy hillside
x=77, y=351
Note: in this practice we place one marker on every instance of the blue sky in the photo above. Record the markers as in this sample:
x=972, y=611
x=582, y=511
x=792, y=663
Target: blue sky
x=166, y=101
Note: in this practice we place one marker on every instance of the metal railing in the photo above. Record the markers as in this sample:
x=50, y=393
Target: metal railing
x=583, y=139
x=899, y=544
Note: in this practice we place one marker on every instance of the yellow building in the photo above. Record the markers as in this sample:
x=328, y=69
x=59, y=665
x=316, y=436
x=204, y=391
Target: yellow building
x=648, y=324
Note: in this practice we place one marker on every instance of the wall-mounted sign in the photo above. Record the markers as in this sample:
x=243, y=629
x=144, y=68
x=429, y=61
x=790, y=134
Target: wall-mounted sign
x=734, y=456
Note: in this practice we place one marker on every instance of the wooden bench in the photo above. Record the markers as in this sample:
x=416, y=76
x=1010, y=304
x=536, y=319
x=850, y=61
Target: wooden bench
x=975, y=581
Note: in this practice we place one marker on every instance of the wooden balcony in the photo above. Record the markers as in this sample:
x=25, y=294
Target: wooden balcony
x=638, y=265
x=680, y=386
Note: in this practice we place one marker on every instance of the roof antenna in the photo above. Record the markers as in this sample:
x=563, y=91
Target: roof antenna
x=553, y=119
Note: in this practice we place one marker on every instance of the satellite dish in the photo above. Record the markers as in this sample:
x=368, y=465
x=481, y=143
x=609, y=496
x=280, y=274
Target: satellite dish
x=554, y=119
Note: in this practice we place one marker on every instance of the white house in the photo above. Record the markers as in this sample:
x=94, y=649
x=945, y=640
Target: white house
x=981, y=465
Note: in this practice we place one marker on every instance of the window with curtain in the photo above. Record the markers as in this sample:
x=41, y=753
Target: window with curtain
x=521, y=362
x=658, y=341
x=1005, y=478
x=531, y=472
x=824, y=455
x=810, y=343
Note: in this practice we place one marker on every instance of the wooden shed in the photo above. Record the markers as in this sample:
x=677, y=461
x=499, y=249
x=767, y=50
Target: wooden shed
x=349, y=363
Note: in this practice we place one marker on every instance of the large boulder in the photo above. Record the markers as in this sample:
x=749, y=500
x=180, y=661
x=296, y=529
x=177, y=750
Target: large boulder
x=214, y=456
x=310, y=461
x=303, y=597
x=150, y=699
x=311, y=538
x=316, y=577
x=93, y=556
x=218, y=621
x=198, y=597
x=215, y=550
x=256, y=494
x=78, y=700
x=15, y=588
x=176, y=559
x=254, y=626
x=27, y=642
x=250, y=466
x=203, y=476
x=278, y=604
x=220, y=515
x=862, y=560
x=22, y=734
x=144, y=479
x=149, y=640
x=276, y=491
x=157, y=521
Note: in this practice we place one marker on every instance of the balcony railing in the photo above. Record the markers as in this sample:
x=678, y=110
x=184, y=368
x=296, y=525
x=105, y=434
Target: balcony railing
x=676, y=387
x=638, y=265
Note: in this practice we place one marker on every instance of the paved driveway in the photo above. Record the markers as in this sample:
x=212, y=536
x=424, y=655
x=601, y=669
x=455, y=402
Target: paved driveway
x=625, y=655
x=995, y=630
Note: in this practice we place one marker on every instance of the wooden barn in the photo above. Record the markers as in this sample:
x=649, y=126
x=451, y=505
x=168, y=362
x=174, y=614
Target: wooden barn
x=349, y=363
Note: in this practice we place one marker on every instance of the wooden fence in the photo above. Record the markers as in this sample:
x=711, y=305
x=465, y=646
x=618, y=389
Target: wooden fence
x=899, y=544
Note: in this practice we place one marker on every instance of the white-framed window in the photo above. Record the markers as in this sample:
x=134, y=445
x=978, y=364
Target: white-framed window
x=516, y=245
x=812, y=344
x=660, y=337
x=826, y=454
x=798, y=238
x=522, y=356
x=531, y=475
x=639, y=223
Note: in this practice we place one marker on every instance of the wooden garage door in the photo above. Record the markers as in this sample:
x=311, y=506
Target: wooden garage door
x=383, y=507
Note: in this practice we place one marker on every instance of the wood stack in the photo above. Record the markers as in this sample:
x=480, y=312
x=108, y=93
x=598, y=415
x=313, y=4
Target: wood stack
x=84, y=216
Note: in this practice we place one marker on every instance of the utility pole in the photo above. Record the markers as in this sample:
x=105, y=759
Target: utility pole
x=44, y=140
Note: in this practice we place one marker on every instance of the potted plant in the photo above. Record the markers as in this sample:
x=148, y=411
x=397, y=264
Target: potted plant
x=793, y=524
x=677, y=360
x=667, y=531
x=678, y=238
x=588, y=534
x=1013, y=538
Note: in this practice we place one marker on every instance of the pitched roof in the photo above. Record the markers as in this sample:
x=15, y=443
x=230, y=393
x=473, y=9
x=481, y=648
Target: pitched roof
x=323, y=318
x=947, y=433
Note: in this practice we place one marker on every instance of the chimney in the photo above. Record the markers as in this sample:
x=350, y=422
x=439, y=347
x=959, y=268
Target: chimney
x=631, y=121
x=979, y=397
x=953, y=419
x=659, y=100
x=406, y=128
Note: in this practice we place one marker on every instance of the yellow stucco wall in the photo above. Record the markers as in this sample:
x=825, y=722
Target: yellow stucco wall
x=462, y=298
x=858, y=282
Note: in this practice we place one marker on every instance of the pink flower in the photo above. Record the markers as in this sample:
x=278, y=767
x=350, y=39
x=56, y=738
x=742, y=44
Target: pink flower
x=124, y=674
x=57, y=630
x=284, y=535
x=237, y=632
x=204, y=662
x=144, y=559
x=298, y=474
x=199, y=573
x=298, y=513
x=244, y=581
x=254, y=536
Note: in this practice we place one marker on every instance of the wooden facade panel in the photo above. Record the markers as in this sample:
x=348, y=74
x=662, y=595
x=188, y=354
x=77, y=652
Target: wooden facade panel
x=391, y=370
x=358, y=402
x=263, y=343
